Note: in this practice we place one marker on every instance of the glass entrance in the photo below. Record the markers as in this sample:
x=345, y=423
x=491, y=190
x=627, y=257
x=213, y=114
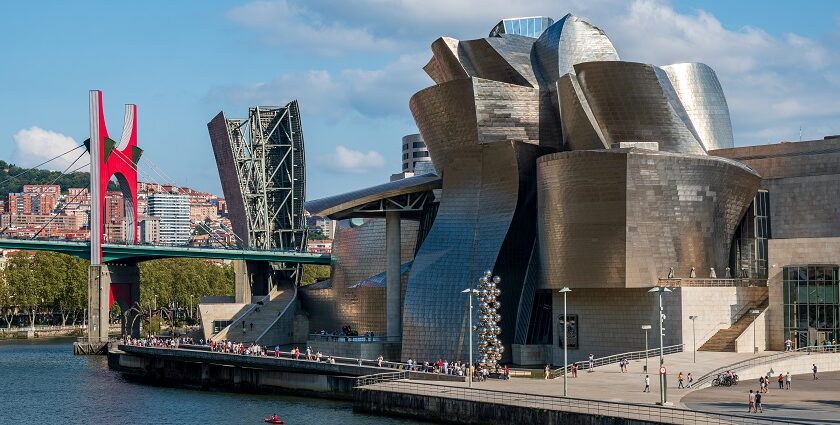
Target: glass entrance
x=811, y=302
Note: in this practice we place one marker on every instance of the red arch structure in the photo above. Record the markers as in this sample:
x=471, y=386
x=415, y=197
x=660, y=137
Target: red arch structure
x=112, y=159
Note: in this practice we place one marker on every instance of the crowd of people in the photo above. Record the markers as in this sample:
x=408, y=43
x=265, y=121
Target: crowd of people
x=159, y=342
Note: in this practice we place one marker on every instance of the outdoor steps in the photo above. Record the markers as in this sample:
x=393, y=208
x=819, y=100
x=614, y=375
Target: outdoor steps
x=261, y=316
x=725, y=339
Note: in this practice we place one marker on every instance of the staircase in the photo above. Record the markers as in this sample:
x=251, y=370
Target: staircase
x=261, y=316
x=725, y=339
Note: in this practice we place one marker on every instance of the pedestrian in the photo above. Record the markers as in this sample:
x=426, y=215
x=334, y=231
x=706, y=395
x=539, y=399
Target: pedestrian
x=781, y=381
x=574, y=370
x=591, y=363
x=690, y=380
x=647, y=384
x=814, y=369
x=752, y=402
x=680, y=379
x=761, y=384
x=787, y=380
x=547, y=370
x=758, y=408
x=788, y=345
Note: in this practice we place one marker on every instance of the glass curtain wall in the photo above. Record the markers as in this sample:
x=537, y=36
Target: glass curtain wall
x=811, y=302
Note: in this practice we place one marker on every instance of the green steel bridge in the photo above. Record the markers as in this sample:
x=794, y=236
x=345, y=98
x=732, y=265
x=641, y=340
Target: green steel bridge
x=115, y=253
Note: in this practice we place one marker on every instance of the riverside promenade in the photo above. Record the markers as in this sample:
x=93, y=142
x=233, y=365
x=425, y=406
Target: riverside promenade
x=602, y=396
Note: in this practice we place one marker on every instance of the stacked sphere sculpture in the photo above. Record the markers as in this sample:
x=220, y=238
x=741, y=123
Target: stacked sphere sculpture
x=489, y=345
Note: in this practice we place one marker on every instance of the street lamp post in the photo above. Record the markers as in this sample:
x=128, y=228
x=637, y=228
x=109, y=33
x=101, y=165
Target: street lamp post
x=565, y=290
x=662, y=395
x=646, y=328
x=694, y=335
x=470, y=293
x=755, y=313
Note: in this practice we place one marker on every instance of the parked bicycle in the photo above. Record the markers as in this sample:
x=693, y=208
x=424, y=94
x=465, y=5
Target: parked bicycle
x=725, y=380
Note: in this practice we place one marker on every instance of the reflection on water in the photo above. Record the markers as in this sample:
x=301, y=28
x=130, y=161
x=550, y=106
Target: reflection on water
x=42, y=382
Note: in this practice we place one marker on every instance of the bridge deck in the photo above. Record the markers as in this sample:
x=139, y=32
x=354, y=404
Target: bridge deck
x=118, y=253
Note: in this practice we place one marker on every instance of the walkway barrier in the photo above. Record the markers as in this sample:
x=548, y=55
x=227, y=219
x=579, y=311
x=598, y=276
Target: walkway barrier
x=380, y=377
x=642, y=412
x=758, y=361
x=678, y=282
x=615, y=358
x=353, y=338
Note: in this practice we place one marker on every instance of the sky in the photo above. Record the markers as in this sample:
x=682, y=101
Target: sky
x=354, y=64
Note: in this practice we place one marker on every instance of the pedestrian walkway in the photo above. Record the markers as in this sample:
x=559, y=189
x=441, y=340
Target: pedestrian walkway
x=607, y=383
x=807, y=401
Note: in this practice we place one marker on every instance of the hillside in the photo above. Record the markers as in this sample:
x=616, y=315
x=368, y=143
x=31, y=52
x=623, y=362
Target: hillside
x=36, y=176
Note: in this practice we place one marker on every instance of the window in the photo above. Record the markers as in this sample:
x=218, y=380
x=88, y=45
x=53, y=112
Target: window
x=218, y=325
x=811, y=301
x=420, y=155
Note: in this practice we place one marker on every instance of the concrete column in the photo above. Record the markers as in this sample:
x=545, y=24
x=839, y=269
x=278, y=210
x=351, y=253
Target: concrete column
x=393, y=247
x=99, y=287
x=242, y=282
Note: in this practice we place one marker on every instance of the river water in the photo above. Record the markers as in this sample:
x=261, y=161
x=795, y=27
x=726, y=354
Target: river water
x=43, y=382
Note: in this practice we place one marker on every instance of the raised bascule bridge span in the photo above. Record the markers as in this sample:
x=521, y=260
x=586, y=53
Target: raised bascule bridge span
x=267, y=216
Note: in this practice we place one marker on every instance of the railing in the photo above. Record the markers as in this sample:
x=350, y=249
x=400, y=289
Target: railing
x=615, y=358
x=226, y=331
x=758, y=361
x=354, y=338
x=380, y=377
x=633, y=411
x=677, y=282
x=279, y=316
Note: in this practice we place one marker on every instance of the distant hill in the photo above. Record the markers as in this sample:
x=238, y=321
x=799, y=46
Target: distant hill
x=37, y=176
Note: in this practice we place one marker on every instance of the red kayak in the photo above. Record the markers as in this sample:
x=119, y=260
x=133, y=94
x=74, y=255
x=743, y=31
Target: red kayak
x=277, y=421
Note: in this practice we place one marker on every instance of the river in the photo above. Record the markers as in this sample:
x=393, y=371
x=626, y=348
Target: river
x=41, y=381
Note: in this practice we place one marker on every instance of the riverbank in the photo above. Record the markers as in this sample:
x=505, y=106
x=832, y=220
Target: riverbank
x=42, y=332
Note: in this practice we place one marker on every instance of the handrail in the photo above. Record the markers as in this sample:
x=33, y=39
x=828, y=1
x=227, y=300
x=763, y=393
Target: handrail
x=380, y=377
x=353, y=338
x=635, y=411
x=677, y=282
x=758, y=361
x=241, y=318
x=615, y=358
x=279, y=316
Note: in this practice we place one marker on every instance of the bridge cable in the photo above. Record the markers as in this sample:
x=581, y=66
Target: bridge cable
x=39, y=165
x=66, y=202
x=210, y=234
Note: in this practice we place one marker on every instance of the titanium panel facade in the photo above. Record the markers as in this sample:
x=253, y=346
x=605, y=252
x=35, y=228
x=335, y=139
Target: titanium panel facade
x=580, y=130
x=621, y=218
x=701, y=95
x=630, y=105
x=358, y=254
x=483, y=137
x=568, y=42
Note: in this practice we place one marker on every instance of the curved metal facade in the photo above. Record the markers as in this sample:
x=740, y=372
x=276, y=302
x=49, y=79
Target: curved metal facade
x=621, y=218
x=483, y=137
x=358, y=253
x=630, y=105
x=568, y=42
x=580, y=129
x=701, y=95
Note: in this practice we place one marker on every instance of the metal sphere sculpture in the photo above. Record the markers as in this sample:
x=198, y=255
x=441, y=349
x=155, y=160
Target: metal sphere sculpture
x=489, y=346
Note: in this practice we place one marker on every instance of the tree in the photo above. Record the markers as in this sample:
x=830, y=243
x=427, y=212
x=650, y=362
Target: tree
x=314, y=273
x=7, y=308
x=25, y=293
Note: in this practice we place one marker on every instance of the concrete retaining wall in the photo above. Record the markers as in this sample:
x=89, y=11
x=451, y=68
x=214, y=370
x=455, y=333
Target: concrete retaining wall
x=796, y=365
x=451, y=410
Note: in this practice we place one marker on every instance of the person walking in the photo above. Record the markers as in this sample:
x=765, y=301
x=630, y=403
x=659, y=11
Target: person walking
x=647, y=384
x=591, y=363
x=788, y=345
x=574, y=370
x=547, y=371
x=781, y=381
x=680, y=379
x=761, y=384
x=690, y=380
x=758, y=408
x=814, y=369
x=752, y=402
x=787, y=380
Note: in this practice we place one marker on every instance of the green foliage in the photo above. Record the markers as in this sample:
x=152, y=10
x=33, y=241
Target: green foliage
x=52, y=282
x=314, y=273
x=182, y=281
x=38, y=176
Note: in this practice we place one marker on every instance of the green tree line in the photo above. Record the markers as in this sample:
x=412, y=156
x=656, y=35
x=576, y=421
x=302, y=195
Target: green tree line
x=54, y=285
x=37, y=176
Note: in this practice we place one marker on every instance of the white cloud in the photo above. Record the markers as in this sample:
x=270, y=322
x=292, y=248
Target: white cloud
x=35, y=145
x=346, y=160
x=282, y=22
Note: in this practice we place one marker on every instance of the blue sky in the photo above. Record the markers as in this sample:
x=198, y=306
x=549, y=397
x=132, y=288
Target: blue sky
x=354, y=64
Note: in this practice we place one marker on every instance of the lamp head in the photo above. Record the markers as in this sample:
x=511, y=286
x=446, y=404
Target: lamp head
x=565, y=289
x=646, y=327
